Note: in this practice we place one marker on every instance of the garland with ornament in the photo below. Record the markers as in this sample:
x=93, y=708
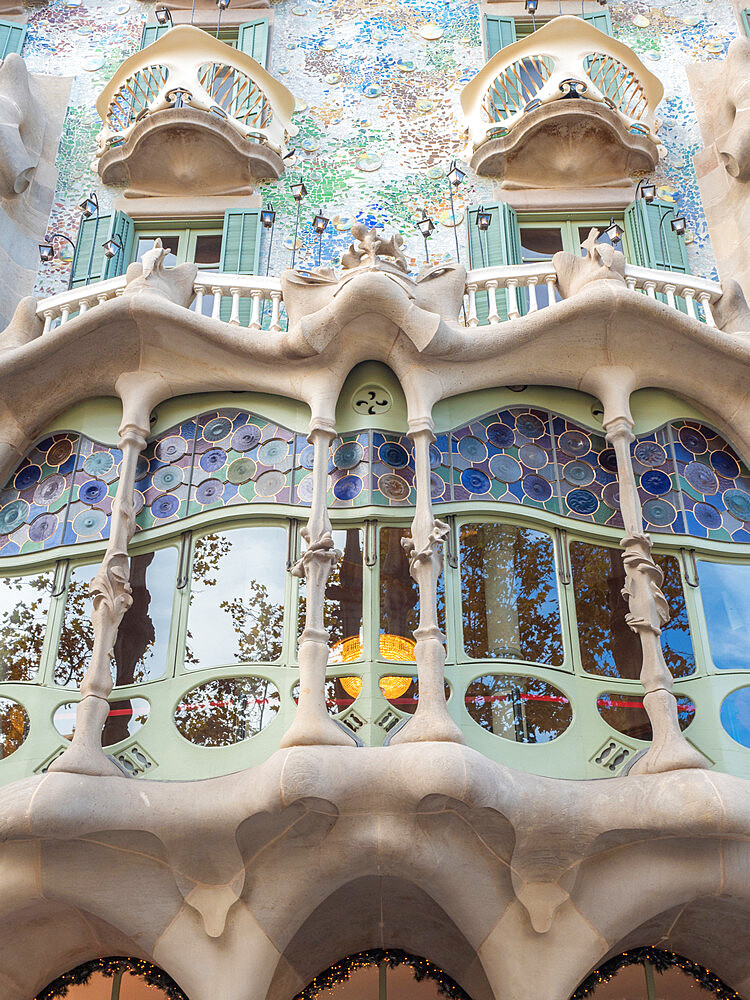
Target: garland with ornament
x=109, y=967
x=391, y=957
x=661, y=961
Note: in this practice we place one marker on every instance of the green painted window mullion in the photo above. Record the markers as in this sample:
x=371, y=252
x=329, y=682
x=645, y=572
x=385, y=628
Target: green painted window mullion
x=181, y=607
x=55, y=615
x=567, y=601
x=452, y=592
x=291, y=598
x=371, y=593
x=746, y=21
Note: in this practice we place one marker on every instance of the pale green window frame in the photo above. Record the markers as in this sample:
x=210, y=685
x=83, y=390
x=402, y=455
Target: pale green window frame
x=187, y=235
x=569, y=225
x=745, y=14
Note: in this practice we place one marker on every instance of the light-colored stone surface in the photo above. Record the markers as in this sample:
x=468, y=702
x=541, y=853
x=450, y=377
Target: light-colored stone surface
x=32, y=109
x=248, y=885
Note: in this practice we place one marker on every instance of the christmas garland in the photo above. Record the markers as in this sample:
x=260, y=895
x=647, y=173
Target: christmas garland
x=661, y=961
x=391, y=957
x=109, y=967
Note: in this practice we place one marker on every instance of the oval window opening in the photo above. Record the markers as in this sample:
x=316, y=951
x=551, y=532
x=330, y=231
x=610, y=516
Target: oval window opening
x=341, y=692
x=125, y=718
x=735, y=715
x=14, y=726
x=226, y=711
x=403, y=692
x=626, y=714
x=521, y=709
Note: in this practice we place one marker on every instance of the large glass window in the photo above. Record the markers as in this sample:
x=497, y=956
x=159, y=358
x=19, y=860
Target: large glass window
x=725, y=592
x=24, y=603
x=399, y=598
x=522, y=709
x=608, y=645
x=236, y=597
x=140, y=650
x=342, y=610
x=510, y=607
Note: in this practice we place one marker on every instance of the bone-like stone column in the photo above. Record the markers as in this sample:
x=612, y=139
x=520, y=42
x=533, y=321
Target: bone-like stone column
x=431, y=720
x=312, y=724
x=110, y=591
x=648, y=612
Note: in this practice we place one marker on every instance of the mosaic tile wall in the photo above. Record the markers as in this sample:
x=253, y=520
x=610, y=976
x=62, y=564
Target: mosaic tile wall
x=689, y=479
x=378, y=84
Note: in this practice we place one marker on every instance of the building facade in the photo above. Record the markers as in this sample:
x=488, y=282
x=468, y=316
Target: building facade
x=375, y=518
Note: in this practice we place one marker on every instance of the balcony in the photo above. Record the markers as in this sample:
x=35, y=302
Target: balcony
x=191, y=115
x=567, y=105
x=528, y=287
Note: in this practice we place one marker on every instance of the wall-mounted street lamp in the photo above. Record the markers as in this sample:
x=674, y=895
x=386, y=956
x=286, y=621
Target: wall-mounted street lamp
x=678, y=225
x=614, y=232
x=426, y=227
x=678, y=228
x=90, y=206
x=320, y=224
x=647, y=191
x=483, y=221
x=298, y=193
x=47, y=250
x=164, y=16
x=455, y=177
x=222, y=5
x=531, y=8
x=112, y=247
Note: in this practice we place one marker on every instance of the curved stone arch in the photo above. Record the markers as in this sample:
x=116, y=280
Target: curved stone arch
x=374, y=911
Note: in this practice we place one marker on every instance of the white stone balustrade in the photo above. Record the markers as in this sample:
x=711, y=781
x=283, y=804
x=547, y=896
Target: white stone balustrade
x=188, y=68
x=528, y=287
x=567, y=56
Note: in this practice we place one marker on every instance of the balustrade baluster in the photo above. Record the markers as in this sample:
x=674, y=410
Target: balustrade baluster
x=533, y=304
x=491, y=287
x=216, y=309
x=255, y=318
x=512, y=298
x=472, y=320
x=705, y=300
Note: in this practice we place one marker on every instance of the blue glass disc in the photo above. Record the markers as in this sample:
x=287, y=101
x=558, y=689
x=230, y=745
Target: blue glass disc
x=575, y=443
x=89, y=523
x=659, y=512
x=437, y=486
x=529, y=425
x=93, y=491
x=165, y=506
x=212, y=460
x=579, y=473
x=500, y=435
x=49, y=490
x=273, y=452
x=537, y=488
x=209, y=491
x=42, y=527
x=436, y=457
x=12, y=515
x=723, y=463
x=171, y=448
x=475, y=481
x=348, y=455
x=29, y=476
x=347, y=488
x=581, y=501
x=608, y=460
x=707, y=515
x=167, y=478
x=98, y=463
x=217, y=429
x=505, y=468
x=393, y=454
x=738, y=504
x=472, y=449
x=246, y=438
x=701, y=478
x=532, y=456
x=693, y=440
x=655, y=482
x=650, y=454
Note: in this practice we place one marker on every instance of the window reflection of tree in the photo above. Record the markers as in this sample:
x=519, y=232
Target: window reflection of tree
x=509, y=598
x=608, y=646
x=22, y=625
x=227, y=710
x=523, y=709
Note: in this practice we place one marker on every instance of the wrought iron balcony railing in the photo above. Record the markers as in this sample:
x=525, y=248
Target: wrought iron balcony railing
x=528, y=288
x=567, y=58
x=188, y=68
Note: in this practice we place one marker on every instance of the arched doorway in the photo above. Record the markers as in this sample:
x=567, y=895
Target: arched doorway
x=114, y=979
x=383, y=973
x=652, y=974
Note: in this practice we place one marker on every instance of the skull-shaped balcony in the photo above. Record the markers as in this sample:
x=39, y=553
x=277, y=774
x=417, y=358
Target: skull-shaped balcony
x=566, y=106
x=191, y=115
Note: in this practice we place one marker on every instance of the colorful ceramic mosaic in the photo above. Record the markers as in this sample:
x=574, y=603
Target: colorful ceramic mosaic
x=378, y=111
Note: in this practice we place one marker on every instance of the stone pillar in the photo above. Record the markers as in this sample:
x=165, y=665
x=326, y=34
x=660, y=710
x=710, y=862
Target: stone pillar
x=431, y=720
x=110, y=591
x=648, y=612
x=312, y=724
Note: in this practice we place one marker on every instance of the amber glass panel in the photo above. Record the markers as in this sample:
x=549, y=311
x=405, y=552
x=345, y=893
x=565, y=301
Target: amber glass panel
x=227, y=710
x=342, y=611
x=14, y=726
x=24, y=603
x=608, y=646
x=626, y=714
x=140, y=651
x=399, y=598
x=523, y=709
x=237, y=598
x=403, y=692
x=509, y=598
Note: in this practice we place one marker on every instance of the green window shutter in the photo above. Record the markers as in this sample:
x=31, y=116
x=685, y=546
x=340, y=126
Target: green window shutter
x=123, y=227
x=240, y=253
x=600, y=20
x=151, y=32
x=90, y=234
x=498, y=32
x=746, y=21
x=500, y=245
x=12, y=36
x=87, y=266
x=252, y=39
x=650, y=236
